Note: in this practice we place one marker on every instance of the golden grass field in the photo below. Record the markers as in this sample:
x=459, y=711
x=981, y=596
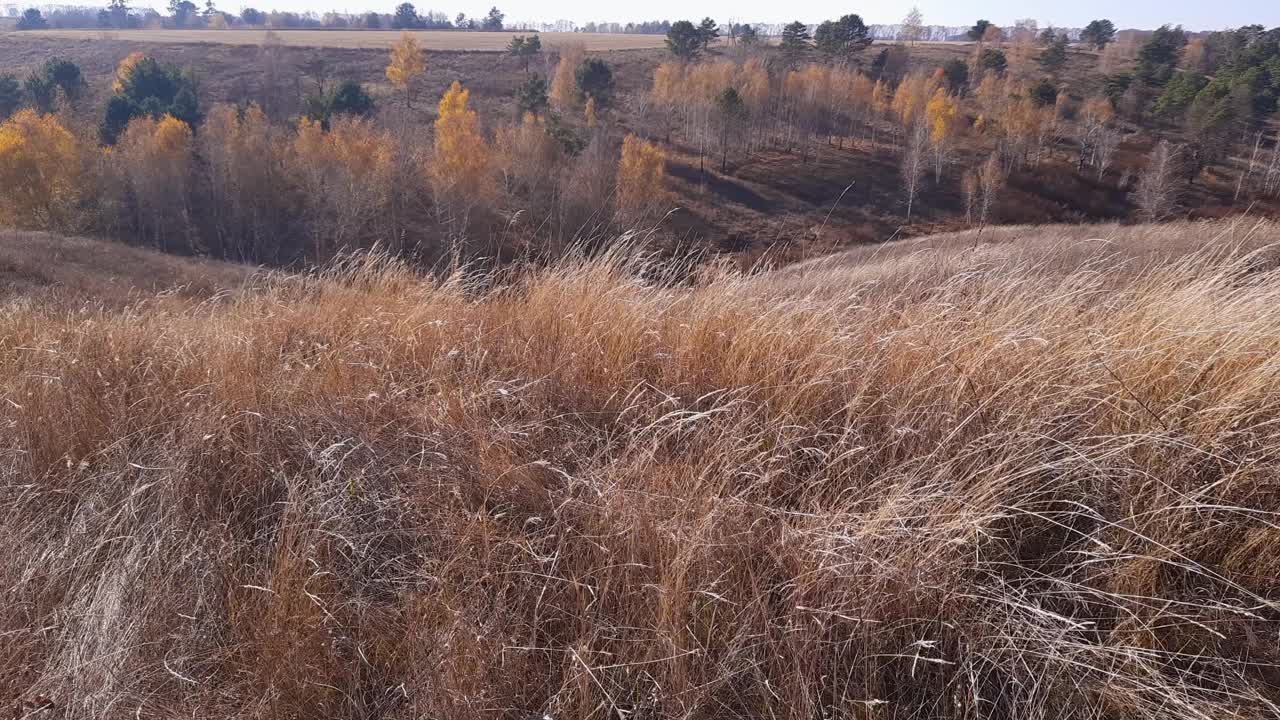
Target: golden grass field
x=1026, y=473
x=352, y=39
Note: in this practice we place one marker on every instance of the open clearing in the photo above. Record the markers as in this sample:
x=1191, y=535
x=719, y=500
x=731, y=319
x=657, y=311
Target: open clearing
x=354, y=39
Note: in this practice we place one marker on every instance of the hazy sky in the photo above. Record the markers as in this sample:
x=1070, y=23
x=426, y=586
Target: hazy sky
x=1192, y=14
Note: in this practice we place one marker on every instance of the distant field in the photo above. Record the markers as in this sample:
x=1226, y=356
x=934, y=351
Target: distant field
x=353, y=39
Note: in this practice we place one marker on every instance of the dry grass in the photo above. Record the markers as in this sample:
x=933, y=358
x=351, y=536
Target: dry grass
x=1010, y=483
x=54, y=269
x=353, y=39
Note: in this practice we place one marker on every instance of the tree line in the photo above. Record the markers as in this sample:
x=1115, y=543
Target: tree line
x=186, y=14
x=1008, y=97
x=165, y=171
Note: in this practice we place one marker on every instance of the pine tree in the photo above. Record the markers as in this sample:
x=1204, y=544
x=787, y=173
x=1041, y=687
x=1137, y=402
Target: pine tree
x=795, y=39
x=684, y=41
x=708, y=32
x=842, y=39
x=1098, y=33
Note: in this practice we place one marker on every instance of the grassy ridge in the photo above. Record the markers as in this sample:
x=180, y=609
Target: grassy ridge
x=1010, y=484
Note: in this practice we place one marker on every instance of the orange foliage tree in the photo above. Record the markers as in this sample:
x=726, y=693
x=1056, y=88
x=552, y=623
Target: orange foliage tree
x=154, y=159
x=345, y=176
x=564, y=84
x=641, y=183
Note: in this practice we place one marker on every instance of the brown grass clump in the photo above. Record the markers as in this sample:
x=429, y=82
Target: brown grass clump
x=1030, y=480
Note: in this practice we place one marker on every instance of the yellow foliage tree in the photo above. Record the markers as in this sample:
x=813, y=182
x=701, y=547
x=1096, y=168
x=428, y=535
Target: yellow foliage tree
x=641, y=183
x=564, y=84
x=124, y=68
x=461, y=158
x=408, y=63
x=590, y=112
x=668, y=78
x=942, y=114
x=909, y=99
x=880, y=97
x=41, y=172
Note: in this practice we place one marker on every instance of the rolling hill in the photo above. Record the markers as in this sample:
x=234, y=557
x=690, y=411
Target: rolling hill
x=1028, y=472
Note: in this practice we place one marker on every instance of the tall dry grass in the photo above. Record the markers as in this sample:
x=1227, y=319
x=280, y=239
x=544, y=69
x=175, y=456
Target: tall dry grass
x=1012, y=484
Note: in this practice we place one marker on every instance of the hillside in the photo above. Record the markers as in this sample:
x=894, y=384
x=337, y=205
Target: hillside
x=54, y=268
x=808, y=167
x=1024, y=473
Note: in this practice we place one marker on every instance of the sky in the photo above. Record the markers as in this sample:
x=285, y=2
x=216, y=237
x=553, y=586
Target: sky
x=1146, y=14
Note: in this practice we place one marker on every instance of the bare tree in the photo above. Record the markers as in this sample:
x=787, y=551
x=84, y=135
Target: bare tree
x=969, y=186
x=914, y=161
x=912, y=26
x=1271, y=176
x=1157, y=194
x=1106, y=142
x=991, y=180
x=1247, y=174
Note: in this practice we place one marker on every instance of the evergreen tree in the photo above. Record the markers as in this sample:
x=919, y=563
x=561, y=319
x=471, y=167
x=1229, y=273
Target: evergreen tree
x=684, y=41
x=979, y=30
x=795, y=39
x=32, y=20
x=1055, y=56
x=708, y=31
x=1098, y=33
x=595, y=80
x=531, y=97
x=493, y=21
x=406, y=17
x=843, y=38
x=10, y=96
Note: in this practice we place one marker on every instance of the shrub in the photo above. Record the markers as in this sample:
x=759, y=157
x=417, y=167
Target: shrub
x=1044, y=93
x=993, y=60
x=346, y=98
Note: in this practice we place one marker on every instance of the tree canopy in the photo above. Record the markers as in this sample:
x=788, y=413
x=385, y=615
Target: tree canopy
x=843, y=38
x=1098, y=33
x=684, y=41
